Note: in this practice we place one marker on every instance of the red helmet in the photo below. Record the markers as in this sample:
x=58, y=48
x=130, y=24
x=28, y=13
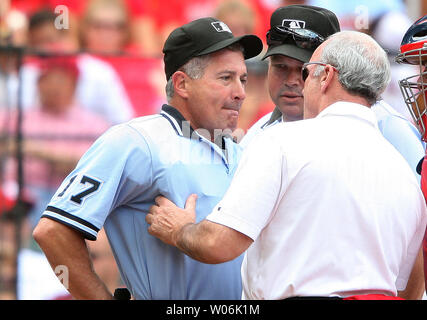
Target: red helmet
x=413, y=50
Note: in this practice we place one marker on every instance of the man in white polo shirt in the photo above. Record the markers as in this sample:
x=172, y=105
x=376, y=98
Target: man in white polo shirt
x=325, y=207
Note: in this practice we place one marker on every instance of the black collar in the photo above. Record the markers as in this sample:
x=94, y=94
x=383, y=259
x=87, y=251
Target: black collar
x=180, y=120
x=277, y=114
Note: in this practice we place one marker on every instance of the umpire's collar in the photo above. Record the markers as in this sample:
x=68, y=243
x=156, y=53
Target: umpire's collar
x=276, y=115
x=183, y=127
x=178, y=122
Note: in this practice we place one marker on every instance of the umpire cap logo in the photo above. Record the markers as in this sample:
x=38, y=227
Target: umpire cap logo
x=221, y=26
x=289, y=23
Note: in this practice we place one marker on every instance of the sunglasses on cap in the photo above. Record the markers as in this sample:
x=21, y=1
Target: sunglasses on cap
x=303, y=38
x=305, y=72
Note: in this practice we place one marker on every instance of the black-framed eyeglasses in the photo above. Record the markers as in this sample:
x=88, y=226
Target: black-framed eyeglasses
x=305, y=72
x=303, y=38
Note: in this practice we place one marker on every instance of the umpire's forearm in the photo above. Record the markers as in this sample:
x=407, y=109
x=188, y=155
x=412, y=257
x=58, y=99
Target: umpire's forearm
x=68, y=256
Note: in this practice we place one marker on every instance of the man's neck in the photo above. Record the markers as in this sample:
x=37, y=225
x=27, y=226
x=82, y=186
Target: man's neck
x=343, y=96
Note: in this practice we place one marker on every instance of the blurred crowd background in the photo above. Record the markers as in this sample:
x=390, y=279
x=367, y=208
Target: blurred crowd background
x=70, y=69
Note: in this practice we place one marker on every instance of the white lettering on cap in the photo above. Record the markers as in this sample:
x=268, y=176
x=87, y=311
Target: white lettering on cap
x=289, y=23
x=221, y=26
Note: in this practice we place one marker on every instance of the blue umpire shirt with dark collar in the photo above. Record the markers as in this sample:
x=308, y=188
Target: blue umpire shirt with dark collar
x=115, y=183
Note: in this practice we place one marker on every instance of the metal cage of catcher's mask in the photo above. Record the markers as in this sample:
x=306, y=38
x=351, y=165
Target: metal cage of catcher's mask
x=414, y=88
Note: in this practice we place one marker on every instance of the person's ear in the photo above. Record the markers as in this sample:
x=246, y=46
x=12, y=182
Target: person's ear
x=326, y=78
x=181, y=83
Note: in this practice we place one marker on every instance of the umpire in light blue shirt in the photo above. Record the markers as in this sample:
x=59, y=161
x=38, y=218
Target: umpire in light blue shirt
x=181, y=151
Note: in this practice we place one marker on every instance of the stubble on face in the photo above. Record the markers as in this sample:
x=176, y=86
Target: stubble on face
x=285, y=86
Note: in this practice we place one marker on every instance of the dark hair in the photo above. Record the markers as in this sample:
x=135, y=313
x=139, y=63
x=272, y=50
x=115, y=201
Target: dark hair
x=41, y=17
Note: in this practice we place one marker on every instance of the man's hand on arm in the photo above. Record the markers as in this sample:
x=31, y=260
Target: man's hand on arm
x=167, y=220
x=206, y=241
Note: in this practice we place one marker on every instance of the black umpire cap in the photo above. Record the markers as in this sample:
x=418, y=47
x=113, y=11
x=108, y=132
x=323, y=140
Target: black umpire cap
x=200, y=37
x=297, y=30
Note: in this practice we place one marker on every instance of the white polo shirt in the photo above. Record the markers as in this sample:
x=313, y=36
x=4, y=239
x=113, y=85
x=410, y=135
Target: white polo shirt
x=332, y=207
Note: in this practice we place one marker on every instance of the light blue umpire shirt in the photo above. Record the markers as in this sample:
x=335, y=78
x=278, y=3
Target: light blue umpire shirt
x=114, y=185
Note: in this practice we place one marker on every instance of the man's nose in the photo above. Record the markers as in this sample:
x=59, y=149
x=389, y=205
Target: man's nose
x=294, y=78
x=239, y=91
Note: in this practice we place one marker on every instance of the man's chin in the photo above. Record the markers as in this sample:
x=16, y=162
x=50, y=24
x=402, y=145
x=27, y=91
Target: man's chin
x=230, y=124
x=292, y=113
